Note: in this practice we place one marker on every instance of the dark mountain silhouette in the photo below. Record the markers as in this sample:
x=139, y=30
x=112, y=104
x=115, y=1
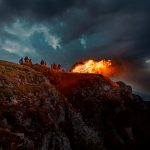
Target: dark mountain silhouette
x=46, y=110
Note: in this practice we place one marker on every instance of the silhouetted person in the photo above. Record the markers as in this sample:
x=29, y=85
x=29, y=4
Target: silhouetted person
x=54, y=66
x=26, y=59
x=30, y=61
x=42, y=62
x=59, y=66
x=45, y=63
x=21, y=61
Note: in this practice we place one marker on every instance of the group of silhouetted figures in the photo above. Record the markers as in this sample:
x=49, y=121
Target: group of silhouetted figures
x=27, y=61
x=56, y=67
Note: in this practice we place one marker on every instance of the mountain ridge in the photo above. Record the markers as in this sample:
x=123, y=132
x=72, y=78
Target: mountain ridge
x=41, y=109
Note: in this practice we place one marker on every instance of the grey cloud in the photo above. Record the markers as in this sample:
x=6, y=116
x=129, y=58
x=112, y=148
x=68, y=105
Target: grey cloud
x=33, y=9
x=115, y=29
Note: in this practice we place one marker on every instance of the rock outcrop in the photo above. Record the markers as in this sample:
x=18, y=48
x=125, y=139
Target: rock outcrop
x=65, y=111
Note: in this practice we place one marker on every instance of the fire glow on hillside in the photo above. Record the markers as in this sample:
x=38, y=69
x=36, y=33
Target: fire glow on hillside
x=96, y=67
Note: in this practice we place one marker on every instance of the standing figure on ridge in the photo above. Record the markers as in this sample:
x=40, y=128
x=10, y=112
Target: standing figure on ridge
x=21, y=61
x=26, y=59
x=30, y=61
x=42, y=62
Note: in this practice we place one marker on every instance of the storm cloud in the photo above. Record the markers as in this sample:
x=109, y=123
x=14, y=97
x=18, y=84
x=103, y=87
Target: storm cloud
x=66, y=31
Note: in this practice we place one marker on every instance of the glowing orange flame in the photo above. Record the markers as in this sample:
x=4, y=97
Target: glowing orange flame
x=97, y=67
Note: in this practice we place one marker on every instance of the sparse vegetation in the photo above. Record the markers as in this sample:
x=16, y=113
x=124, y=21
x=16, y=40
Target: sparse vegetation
x=64, y=111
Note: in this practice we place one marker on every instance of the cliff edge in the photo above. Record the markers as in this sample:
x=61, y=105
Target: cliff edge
x=68, y=111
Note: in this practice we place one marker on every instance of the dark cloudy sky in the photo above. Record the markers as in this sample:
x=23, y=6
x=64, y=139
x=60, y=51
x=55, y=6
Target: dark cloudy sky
x=66, y=31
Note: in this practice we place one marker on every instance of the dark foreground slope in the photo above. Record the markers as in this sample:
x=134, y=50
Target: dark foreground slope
x=64, y=111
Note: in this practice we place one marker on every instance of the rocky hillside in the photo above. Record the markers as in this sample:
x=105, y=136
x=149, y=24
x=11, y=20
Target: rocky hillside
x=44, y=110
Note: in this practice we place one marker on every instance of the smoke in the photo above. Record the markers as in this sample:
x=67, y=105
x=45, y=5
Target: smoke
x=139, y=77
x=134, y=73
